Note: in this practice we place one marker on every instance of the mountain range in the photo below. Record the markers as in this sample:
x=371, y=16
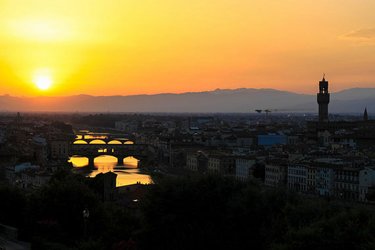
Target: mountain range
x=219, y=100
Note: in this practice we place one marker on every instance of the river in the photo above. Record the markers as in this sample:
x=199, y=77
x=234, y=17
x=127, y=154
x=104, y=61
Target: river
x=127, y=174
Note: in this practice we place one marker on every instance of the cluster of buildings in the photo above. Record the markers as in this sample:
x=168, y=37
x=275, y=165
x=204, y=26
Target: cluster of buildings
x=301, y=152
x=32, y=149
x=348, y=177
x=298, y=152
x=338, y=162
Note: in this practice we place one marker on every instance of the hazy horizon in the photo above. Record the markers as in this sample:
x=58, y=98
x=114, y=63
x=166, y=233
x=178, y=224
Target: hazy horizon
x=178, y=93
x=222, y=101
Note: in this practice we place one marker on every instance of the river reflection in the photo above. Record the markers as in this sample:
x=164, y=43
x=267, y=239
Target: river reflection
x=127, y=174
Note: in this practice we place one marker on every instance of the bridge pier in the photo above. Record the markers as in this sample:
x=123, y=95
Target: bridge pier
x=120, y=161
x=91, y=161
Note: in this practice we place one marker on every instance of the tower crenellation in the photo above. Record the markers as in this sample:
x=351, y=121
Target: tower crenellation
x=323, y=100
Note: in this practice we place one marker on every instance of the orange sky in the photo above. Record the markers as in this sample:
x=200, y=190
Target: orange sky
x=147, y=46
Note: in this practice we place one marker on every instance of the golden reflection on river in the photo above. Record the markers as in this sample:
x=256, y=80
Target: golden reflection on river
x=127, y=174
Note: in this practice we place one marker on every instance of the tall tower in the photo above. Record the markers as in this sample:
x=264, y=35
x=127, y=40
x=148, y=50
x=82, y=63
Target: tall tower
x=323, y=100
x=365, y=115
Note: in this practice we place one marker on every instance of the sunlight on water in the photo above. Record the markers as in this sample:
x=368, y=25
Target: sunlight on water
x=127, y=174
x=131, y=162
x=79, y=161
x=131, y=177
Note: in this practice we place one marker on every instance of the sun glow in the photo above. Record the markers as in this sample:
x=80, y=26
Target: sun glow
x=43, y=82
x=149, y=47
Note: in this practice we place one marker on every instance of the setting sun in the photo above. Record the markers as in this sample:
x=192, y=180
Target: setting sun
x=149, y=47
x=43, y=82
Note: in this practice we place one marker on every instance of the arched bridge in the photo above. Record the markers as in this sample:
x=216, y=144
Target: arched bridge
x=104, y=141
x=103, y=138
x=92, y=145
x=142, y=152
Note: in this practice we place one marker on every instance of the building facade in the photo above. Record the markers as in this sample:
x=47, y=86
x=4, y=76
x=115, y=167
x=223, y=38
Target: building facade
x=275, y=174
x=297, y=177
x=244, y=167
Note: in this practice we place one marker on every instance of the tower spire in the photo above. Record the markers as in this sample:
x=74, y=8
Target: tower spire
x=323, y=99
x=365, y=115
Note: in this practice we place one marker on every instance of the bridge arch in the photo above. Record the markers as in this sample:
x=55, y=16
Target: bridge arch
x=107, y=159
x=131, y=161
x=79, y=161
x=97, y=141
x=80, y=142
x=129, y=142
x=120, y=151
x=114, y=142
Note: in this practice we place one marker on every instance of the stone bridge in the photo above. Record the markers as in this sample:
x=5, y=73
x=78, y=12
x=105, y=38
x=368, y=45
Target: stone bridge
x=103, y=138
x=142, y=152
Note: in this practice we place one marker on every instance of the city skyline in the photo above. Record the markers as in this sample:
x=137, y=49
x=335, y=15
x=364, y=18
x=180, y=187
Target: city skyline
x=64, y=48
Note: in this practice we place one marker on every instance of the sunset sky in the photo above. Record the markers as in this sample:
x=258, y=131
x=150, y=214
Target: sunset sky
x=129, y=47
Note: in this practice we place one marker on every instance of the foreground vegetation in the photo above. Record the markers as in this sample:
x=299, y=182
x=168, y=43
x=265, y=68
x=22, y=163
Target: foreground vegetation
x=184, y=213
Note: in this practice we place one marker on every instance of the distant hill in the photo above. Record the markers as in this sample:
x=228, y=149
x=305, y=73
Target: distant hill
x=220, y=100
x=354, y=94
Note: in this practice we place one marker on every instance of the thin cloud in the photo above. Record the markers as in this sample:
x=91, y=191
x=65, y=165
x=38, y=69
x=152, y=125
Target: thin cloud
x=361, y=35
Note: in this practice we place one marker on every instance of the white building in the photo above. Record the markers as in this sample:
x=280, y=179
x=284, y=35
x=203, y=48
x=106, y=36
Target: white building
x=275, y=174
x=297, y=177
x=325, y=175
x=311, y=180
x=244, y=167
x=347, y=183
x=366, y=182
x=197, y=161
x=223, y=164
x=325, y=181
x=192, y=161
